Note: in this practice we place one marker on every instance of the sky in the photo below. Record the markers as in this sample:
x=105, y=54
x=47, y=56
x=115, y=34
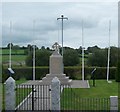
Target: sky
x=47, y=29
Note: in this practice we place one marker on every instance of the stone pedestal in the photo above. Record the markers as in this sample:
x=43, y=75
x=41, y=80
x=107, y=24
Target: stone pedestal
x=56, y=70
x=55, y=95
x=113, y=103
x=10, y=94
x=56, y=63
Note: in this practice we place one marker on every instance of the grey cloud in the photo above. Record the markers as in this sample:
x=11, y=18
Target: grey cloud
x=46, y=27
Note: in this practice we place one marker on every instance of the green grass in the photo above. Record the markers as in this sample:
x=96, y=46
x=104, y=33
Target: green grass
x=94, y=98
x=101, y=90
x=17, y=58
x=6, y=51
x=22, y=80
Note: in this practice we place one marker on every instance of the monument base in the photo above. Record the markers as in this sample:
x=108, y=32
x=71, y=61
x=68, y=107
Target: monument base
x=62, y=77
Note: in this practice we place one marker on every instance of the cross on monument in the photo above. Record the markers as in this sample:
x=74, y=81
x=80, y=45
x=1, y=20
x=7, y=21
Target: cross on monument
x=56, y=46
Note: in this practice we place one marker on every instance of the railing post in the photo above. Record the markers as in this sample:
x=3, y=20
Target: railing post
x=55, y=95
x=32, y=97
x=113, y=103
x=10, y=94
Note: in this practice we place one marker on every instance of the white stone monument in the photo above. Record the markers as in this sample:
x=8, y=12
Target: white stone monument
x=56, y=68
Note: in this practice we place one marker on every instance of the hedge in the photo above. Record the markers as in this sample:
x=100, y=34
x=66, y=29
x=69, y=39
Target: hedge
x=72, y=72
x=100, y=73
x=117, y=76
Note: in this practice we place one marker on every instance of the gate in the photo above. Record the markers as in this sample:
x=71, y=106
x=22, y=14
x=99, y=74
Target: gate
x=33, y=97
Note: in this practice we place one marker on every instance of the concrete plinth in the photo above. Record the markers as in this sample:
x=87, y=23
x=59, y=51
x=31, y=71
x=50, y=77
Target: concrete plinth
x=56, y=70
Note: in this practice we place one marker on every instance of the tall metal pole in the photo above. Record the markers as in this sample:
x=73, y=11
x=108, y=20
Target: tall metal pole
x=10, y=44
x=108, y=51
x=62, y=37
x=82, y=52
x=33, y=51
x=62, y=18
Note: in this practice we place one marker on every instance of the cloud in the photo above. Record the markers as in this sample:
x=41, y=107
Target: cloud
x=95, y=17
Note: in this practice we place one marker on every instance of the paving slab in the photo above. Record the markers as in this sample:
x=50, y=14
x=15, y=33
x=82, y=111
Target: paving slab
x=75, y=83
x=80, y=84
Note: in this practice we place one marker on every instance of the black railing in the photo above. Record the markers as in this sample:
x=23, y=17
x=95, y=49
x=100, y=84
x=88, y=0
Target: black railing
x=72, y=101
x=38, y=97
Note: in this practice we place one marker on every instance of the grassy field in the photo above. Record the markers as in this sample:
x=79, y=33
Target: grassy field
x=17, y=58
x=6, y=51
x=101, y=90
x=93, y=98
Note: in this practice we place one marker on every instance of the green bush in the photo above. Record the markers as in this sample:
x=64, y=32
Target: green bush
x=71, y=57
x=72, y=72
x=100, y=73
x=25, y=72
x=41, y=58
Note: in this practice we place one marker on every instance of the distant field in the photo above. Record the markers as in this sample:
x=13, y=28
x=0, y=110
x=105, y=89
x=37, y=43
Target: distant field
x=6, y=51
x=17, y=58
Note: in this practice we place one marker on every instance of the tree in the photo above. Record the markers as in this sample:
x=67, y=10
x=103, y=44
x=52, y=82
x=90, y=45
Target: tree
x=98, y=58
x=29, y=47
x=16, y=48
x=117, y=76
x=93, y=49
x=8, y=46
x=71, y=57
x=41, y=59
x=48, y=48
x=43, y=47
x=113, y=56
x=79, y=50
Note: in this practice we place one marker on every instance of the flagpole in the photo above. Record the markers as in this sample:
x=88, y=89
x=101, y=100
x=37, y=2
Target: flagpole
x=10, y=44
x=33, y=51
x=82, y=52
x=108, y=51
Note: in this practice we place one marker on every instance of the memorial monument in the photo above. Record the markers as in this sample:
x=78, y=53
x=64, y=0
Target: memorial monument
x=56, y=68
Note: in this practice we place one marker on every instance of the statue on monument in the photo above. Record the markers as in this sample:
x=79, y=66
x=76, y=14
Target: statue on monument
x=56, y=47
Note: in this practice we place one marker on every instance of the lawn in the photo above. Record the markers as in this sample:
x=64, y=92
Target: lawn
x=6, y=51
x=17, y=58
x=101, y=90
x=93, y=98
